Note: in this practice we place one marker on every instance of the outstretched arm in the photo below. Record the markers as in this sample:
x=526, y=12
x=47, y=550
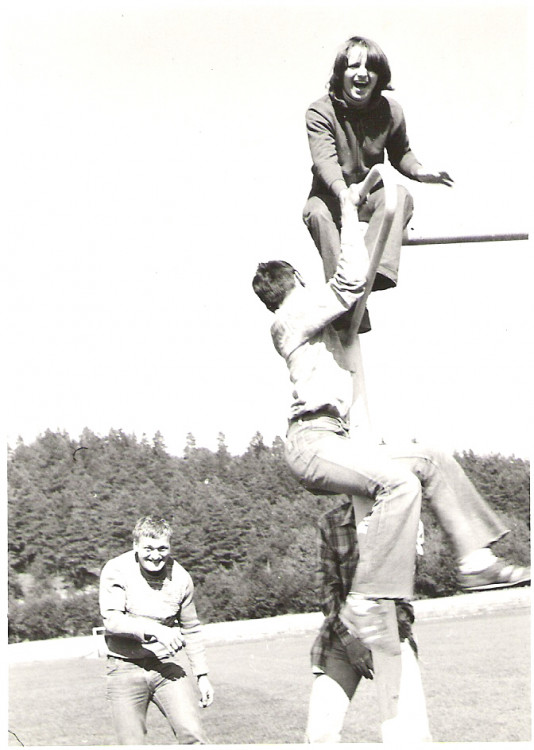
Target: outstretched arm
x=402, y=157
x=435, y=176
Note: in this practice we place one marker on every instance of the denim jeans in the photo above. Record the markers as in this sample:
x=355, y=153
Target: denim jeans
x=131, y=685
x=322, y=216
x=325, y=458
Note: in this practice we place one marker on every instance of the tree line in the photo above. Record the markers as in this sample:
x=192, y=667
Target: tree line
x=242, y=525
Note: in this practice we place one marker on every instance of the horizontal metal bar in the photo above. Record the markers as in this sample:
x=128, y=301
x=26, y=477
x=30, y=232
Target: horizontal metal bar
x=460, y=238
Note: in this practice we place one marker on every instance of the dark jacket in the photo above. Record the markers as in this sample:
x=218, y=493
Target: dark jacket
x=346, y=142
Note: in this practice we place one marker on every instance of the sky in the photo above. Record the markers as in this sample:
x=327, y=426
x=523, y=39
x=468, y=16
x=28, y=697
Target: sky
x=157, y=152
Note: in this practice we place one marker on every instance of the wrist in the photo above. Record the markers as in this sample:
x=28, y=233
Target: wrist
x=160, y=632
x=152, y=634
x=418, y=172
x=339, y=188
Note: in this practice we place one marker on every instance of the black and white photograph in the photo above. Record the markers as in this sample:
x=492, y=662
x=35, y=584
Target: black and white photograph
x=268, y=370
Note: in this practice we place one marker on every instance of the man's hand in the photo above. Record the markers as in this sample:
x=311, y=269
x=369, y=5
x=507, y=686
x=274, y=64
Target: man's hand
x=363, y=618
x=351, y=195
x=371, y=622
x=350, y=223
x=434, y=176
x=360, y=657
x=171, y=638
x=206, y=691
x=366, y=619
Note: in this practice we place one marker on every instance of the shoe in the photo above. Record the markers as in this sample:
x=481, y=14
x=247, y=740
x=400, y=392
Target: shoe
x=501, y=574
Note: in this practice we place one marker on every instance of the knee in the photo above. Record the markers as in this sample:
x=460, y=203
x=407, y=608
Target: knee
x=404, y=195
x=316, y=212
x=405, y=202
x=402, y=492
x=377, y=203
x=438, y=457
x=436, y=465
x=404, y=484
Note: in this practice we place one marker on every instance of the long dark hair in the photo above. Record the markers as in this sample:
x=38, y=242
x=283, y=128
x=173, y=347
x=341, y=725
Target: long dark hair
x=376, y=61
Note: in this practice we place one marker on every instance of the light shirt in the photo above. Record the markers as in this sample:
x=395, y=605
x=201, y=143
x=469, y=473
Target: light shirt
x=310, y=346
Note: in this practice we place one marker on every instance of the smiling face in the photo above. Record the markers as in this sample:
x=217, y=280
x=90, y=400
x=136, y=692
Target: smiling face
x=153, y=553
x=358, y=81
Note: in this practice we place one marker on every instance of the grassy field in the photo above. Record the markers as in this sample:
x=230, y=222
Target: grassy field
x=476, y=672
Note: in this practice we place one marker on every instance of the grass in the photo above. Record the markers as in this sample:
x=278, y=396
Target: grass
x=476, y=672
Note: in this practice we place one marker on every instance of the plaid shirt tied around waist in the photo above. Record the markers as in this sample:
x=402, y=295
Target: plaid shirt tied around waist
x=337, y=561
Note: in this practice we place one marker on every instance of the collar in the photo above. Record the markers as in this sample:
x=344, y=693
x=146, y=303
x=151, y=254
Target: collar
x=165, y=572
x=349, y=518
x=345, y=107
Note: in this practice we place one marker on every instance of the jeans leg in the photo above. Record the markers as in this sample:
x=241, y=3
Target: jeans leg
x=174, y=695
x=461, y=511
x=373, y=212
x=129, y=695
x=327, y=461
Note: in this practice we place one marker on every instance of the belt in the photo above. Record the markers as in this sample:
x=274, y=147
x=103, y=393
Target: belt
x=305, y=416
x=145, y=662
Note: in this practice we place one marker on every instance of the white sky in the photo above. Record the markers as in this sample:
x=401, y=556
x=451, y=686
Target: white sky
x=157, y=151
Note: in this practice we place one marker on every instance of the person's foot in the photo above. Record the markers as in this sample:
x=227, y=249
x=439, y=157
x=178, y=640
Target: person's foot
x=499, y=575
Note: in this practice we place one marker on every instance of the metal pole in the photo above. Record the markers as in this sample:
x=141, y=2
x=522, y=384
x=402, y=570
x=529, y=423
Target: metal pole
x=464, y=238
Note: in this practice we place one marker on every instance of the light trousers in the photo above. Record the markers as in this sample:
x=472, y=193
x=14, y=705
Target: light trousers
x=325, y=458
x=322, y=216
x=329, y=703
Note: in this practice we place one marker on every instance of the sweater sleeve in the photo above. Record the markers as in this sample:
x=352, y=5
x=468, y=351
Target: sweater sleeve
x=112, y=598
x=398, y=146
x=192, y=632
x=322, y=142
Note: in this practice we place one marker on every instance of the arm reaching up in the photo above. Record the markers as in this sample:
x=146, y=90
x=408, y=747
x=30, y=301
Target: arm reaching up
x=304, y=313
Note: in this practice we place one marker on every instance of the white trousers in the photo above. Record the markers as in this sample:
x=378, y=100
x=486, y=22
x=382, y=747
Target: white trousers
x=329, y=703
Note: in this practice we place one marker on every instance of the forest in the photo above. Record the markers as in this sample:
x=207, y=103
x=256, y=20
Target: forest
x=242, y=525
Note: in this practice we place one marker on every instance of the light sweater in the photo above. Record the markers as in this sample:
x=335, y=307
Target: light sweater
x=130, y=601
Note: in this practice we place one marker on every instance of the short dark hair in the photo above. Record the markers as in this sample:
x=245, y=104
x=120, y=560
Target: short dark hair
x=152, y=527
x=272, y=282
x=376, y=61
